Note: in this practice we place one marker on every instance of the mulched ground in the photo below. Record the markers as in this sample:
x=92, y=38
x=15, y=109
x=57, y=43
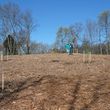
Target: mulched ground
x=55, y=82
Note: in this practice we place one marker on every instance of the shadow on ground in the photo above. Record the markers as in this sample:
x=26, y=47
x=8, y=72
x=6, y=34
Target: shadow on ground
x=48, y=93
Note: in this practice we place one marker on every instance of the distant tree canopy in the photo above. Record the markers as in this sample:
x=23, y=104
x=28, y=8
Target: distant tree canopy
x=16, y=27
x=92, y=36
x=67, y=35
x=104, y=23
x=39, y=48
x=18, y=23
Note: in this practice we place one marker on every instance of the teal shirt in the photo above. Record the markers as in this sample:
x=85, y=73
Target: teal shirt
x=69, y=48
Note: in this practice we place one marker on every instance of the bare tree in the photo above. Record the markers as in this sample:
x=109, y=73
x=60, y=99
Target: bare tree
x=16, y=23
x=75, y=31
x=10, y=21
x=104, y=21
x=60, y=38
x=37, y=48
x=91, y=32
x=65, y=35
x=10, y=18
x=28, y=26
x=99, y=35
x=77, y=28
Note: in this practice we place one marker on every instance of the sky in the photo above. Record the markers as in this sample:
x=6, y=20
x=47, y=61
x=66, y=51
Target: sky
x=52, y=14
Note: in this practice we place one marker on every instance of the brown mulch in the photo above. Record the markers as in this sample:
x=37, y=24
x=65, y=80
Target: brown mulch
x=55, y=82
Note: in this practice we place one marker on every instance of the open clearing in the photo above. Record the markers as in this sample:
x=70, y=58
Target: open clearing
x=55, y=82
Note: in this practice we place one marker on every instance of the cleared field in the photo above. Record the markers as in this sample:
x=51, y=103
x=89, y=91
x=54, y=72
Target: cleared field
x=55, y=82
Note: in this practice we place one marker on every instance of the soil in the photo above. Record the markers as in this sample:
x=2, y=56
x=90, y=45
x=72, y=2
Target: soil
x=55, y=82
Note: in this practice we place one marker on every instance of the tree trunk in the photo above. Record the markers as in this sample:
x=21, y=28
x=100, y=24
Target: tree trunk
x=100, y=49
x=100, y=43
x=107, y=48
x=28, y=50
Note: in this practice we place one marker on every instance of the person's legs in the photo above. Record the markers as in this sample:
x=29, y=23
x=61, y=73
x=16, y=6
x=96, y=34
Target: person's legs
x=68, y=51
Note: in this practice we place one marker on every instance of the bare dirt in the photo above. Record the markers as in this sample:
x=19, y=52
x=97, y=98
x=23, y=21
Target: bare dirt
x=55, y=82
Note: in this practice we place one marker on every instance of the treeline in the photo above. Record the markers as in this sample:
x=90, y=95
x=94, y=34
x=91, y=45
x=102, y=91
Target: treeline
x=39, y=48
x=92, y=36
x=16, y=25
